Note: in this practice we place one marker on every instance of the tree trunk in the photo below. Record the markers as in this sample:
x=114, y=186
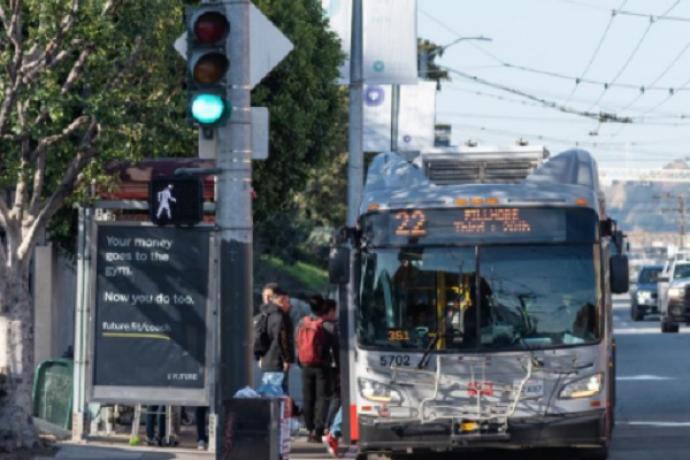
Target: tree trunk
x=17, y=430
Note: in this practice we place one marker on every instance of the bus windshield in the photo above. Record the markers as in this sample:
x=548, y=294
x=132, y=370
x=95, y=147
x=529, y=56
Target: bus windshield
x=482, y=297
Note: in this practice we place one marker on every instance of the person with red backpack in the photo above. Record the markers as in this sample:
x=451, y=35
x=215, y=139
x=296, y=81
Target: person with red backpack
x=316, y=343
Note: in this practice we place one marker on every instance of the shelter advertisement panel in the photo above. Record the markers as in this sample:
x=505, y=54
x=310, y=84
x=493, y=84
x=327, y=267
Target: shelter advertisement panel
x=151, y=328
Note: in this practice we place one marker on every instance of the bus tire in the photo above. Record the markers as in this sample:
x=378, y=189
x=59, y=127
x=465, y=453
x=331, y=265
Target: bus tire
x=597, y=453
x=667, y=327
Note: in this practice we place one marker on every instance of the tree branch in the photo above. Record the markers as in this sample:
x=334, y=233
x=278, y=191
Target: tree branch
x=3, y=18
x=13, y=32
x=75, y=72
x=4, y=211
x=39, y=157
x=50, y=57
x=21, y=188
x=32, y=225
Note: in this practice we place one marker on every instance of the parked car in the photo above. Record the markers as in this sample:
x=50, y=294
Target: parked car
x=673, y=288
x=644, y=298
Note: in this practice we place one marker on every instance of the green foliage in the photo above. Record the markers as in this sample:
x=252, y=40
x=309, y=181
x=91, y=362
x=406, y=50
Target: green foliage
x=308, y=111
x=308, y=276
x=114, y=66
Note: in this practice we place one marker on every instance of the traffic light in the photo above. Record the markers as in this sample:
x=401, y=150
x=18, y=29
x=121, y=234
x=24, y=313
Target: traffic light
x=207, y=64
x=177, y=200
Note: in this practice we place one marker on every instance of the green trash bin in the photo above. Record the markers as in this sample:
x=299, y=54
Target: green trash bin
x=52, y=392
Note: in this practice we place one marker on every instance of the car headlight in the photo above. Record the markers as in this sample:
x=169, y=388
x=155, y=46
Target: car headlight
x=676, y=292
x=378, y=392
x=582, y=388
x=643, y=296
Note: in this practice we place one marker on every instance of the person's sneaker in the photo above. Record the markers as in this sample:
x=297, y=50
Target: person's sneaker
x=331, y=444
x=313, y=438
x=151, y=442
x=201, y=445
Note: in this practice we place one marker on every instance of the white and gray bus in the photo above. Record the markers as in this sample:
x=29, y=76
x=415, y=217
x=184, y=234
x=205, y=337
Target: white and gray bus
x=480, y=313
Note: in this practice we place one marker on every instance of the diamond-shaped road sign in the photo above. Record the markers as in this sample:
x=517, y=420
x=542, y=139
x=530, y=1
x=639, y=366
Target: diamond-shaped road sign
x=267, y=45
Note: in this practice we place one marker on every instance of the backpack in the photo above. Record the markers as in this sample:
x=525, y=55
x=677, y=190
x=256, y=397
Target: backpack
x=311, y=341
x=262, y=342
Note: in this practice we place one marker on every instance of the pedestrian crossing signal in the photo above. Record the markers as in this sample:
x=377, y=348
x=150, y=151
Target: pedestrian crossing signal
x=176, y=200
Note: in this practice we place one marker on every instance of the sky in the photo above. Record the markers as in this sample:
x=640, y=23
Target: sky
x=539, y=48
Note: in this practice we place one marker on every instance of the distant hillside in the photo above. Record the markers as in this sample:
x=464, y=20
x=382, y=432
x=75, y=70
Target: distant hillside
x=638, y=206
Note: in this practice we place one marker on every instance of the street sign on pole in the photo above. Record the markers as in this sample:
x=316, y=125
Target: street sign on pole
x=267, y=46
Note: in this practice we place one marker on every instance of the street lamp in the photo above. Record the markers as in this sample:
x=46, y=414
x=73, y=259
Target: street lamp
x=426, y=56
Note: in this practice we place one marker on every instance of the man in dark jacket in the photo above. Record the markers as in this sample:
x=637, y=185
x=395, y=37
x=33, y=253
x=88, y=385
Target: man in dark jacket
x=281, y=352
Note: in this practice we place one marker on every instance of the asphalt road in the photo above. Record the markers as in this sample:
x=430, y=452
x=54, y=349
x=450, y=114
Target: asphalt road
x=653, y=411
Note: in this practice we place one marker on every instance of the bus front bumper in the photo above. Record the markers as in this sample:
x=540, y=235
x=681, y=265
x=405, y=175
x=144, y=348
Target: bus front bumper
x=582, y=429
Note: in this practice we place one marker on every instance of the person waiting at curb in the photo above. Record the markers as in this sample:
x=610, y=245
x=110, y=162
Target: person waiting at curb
x=316, y=343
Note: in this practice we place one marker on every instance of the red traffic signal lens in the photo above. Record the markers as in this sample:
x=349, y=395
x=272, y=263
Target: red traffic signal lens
x=210, y=68
x=211, y=27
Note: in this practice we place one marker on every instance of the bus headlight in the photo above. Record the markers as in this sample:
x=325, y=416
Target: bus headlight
x=582, y=388
x=676, y=292
x=378, y=392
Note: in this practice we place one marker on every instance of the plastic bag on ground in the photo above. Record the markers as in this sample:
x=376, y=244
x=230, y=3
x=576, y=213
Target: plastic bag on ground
x=271, y=385
x=247, y=393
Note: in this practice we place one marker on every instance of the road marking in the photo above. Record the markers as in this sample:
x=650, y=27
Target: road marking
x=659, y=424
x=642, y=378
x=640, y=330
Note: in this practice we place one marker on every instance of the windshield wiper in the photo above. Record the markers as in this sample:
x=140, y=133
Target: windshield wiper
x=424, y=362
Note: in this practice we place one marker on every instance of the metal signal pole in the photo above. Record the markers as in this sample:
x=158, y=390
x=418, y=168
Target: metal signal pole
x=234, y=219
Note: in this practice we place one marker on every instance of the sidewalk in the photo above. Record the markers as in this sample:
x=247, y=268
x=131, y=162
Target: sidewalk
x=68, y=450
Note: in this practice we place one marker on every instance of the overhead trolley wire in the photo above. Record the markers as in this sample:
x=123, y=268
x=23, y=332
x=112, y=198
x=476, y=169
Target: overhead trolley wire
x=632, y=55
x=659, y=77
x=601, y=116
x=660, y=116
x=622, y=12
x=595, y=53
x=578, y=80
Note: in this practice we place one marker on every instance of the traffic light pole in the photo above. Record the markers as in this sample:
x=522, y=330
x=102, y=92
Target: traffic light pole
x=234, y=220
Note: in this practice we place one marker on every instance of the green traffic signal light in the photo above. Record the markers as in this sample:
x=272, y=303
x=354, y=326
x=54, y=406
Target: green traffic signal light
x=207, y=109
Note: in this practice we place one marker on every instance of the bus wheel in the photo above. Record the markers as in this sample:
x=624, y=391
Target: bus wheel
x=598, y=453
x=669, y=327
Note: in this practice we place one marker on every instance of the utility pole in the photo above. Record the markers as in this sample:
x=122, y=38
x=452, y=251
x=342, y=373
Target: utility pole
x=355, y=184
x=395, y=117
x=234, y=219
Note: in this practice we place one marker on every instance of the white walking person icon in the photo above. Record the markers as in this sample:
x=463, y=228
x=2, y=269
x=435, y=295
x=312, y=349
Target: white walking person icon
x=165, y=196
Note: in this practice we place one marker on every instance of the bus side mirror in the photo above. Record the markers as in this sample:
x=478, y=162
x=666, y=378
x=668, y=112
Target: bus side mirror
x=620, y=274
x=662, y=279
x=339, y=265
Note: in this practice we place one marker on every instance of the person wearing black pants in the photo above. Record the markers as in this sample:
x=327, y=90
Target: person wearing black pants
x=155, y=414
x=201, y=435
x=314, y=387
x=316, y=375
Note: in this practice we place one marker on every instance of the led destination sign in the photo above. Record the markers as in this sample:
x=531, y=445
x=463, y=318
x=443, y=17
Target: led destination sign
x=505, y=220
x=466, y=225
